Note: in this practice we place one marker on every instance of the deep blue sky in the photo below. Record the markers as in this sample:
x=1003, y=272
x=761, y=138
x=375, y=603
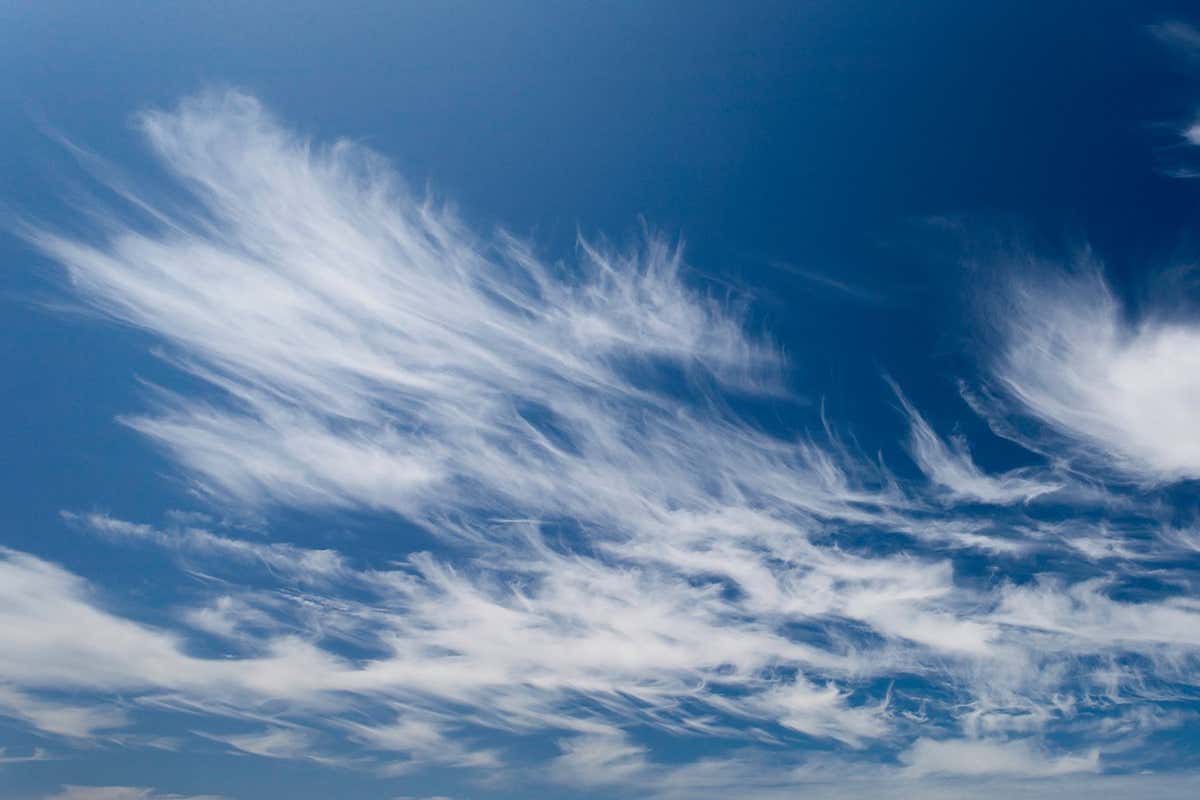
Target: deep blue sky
x=860, y=173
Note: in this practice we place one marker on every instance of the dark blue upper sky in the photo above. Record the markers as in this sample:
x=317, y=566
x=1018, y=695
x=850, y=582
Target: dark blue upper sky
x=868, y=179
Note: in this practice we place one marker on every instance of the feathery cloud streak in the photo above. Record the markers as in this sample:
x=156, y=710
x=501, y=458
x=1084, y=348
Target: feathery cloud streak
x=617, y=556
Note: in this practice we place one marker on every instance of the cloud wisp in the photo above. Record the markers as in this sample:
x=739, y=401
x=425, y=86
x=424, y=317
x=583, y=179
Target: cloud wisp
x=1121, y=392
x=616, y=554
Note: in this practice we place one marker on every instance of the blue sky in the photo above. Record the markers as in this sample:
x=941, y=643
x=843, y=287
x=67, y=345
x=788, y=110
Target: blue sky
x=617, y=400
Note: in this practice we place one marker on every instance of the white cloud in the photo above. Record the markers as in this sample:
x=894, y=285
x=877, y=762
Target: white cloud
x=599, y=759
x=1083, y=616
x=613, y=554
x=60, y=718
x=102, y=793
x=1016, y=757
x=423, y=739
x=55, y=637
x=272, y=742
x=37, y=754
x=374, y=353
x=1192, y=133
x=952, y=468
x=302, y=563
x=376, y=350
x=72, y=792
x=1122, y=391
x=1179, y=35
x=823, y=713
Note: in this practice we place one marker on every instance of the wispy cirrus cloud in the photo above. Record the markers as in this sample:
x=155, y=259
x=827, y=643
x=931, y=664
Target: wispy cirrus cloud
x=37, y=754
x=619, y=551
x=300, y=563
x=62, y=719
x=981, y=757
x=75, y=792
x=950, y=466
x=1177, y=33
x=1121, y=391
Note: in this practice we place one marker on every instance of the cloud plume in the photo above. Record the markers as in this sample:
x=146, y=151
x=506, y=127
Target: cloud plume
x=618, y=550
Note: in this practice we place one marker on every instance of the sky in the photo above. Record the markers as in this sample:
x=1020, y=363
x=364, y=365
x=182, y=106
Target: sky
x=658, y=400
